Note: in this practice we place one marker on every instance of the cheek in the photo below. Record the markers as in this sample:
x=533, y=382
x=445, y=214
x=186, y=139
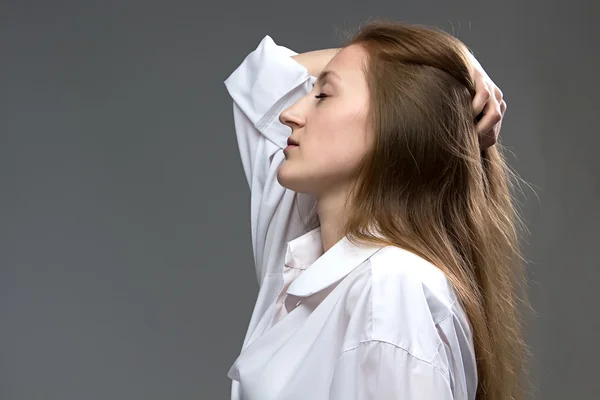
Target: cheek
x=320, y=164
x=337, y=153
x=341, y=139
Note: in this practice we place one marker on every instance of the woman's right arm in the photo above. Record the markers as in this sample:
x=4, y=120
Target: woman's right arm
x=270, y=79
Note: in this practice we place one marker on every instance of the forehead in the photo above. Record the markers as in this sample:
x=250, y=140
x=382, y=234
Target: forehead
x=348, y=64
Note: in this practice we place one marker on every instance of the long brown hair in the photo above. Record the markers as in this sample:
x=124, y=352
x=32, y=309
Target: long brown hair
x=426, y=186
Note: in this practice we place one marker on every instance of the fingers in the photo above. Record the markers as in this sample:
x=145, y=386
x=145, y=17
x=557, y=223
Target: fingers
x=492, y=114
x=503, y=106
x=488, y=124
x=488, y=107
x=498, y=93
x=488, y=127
x=482, y=95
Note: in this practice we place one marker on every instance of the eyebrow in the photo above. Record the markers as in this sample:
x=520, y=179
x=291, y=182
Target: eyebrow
x=324, y=75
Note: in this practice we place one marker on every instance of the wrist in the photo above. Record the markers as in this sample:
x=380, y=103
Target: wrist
x=315, y=61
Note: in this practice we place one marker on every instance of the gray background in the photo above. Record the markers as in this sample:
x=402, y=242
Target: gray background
x=125, y=260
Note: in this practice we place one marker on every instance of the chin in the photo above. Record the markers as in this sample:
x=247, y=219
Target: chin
x=284, y=178
x=287, y=178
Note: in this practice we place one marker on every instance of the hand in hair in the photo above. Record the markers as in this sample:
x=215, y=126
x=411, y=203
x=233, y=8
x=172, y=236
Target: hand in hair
x=488, y=105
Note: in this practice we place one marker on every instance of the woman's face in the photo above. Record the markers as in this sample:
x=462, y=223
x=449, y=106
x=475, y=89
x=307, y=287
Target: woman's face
x=331, y=131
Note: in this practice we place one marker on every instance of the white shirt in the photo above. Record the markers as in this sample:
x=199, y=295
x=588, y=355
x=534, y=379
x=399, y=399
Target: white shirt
x=369, y=322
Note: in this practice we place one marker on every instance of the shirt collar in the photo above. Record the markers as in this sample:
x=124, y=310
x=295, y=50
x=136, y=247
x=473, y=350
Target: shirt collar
x=323, y=269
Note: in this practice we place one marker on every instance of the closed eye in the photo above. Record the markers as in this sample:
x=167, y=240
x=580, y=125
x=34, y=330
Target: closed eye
x=321, y=96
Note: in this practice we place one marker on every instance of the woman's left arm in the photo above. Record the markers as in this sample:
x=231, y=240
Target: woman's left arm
x=378, y=370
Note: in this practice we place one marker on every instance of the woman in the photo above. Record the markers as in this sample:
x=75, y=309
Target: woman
x=382, y=224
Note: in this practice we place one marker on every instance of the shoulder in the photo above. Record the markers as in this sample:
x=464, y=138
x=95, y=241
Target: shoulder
x=395, y=268
x=409, y=296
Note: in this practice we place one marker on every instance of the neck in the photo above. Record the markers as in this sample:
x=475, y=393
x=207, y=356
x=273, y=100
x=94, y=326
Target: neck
x=330, y=208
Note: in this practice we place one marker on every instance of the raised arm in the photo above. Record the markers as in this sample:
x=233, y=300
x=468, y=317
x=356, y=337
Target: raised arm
x=488, y=104
x=268, y=80
x=315, y=61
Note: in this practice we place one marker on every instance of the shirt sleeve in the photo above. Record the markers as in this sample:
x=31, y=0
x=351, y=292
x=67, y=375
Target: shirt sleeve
x=383, y=371
x=266, y=82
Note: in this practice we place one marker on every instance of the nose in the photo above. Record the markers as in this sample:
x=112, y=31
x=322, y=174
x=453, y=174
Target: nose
x=292, y=116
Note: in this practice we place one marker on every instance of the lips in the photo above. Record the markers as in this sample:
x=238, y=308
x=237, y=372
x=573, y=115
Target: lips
x=292, y=142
